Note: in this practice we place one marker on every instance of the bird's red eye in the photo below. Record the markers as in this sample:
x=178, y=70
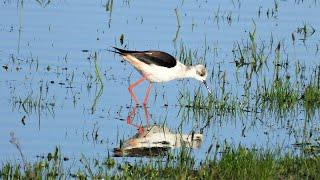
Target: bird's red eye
x=202, y=73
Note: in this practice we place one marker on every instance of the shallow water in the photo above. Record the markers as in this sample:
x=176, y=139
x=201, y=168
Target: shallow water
x=47, y=56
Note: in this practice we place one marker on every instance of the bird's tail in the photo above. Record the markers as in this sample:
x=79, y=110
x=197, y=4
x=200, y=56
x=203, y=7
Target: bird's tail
x=122, y=51
x=116, y=50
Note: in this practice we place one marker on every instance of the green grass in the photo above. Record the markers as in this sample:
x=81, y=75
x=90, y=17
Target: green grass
x=237, y=163
x=271, y=80
x=99, y=83
x=311, y=97
x=280, y=96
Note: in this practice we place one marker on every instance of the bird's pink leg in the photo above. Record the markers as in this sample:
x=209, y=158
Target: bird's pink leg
x=134, y=85
x=133, y=112
x=147, y=94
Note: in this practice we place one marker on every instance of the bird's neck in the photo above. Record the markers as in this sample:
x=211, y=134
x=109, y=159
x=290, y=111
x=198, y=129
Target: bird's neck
x=189, y=72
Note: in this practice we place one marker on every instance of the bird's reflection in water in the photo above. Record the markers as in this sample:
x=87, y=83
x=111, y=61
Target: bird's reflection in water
x=156, y=140
x=133, y=113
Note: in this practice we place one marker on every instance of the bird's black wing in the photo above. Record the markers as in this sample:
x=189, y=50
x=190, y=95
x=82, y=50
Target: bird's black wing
x=151, y=57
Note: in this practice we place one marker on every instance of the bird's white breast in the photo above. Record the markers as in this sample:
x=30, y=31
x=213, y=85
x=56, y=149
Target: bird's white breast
x=156, y=73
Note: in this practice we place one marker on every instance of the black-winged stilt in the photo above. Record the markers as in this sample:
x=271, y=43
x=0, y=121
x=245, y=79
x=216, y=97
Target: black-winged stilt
x=158, y=66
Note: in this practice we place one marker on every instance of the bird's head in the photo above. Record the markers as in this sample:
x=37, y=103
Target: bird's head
x=200, y=74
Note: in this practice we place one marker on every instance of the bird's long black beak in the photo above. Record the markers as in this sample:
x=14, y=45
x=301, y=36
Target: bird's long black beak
x=205, y=83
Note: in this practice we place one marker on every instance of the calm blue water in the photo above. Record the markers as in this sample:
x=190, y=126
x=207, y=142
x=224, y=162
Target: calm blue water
x=42, y=48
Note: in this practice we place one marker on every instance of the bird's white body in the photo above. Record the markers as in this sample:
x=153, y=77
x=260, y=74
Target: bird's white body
x=156, y=73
